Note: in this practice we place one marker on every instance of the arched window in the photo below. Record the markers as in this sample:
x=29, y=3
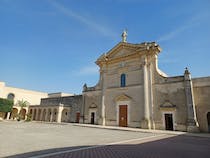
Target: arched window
x=122, y=80
x=10, y=96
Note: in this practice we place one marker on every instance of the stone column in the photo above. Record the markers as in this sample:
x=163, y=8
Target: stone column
x=192, y=124
x=146, y=121
x=8, y=115
x=41, y=114
x=60, y=109
x=46, y=115
x=37, y=114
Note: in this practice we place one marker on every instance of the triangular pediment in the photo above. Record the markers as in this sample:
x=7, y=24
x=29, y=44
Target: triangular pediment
x=167, y=104
x=93, y=105
x=123, y=50
x=123, y=97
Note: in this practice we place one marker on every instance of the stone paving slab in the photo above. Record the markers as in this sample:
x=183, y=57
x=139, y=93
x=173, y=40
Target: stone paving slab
x=38, y=140
x=33, y=137
x=174, y=147
x=207, y=135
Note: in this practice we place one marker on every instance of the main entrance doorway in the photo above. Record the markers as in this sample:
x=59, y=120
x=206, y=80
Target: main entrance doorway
x=123, y=113
x=169, y=122
x=92, y=119
x=208, y=120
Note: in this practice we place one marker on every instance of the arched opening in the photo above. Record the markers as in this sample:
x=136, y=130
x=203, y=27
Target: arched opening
x=44, y=115
x=23, y=114
x=14, y=113
x=122, y=80
x=65, y=115
x=55, y=113
x=10, y=96
x=49, y=113
x=208, y=121
x=34, y=116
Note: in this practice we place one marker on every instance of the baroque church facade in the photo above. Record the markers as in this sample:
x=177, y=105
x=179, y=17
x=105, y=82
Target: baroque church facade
x=133, y=92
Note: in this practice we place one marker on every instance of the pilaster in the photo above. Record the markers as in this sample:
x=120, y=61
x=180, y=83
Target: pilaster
x=146, y=122
x=103, y=106
x=60, y=109
x=192, y=123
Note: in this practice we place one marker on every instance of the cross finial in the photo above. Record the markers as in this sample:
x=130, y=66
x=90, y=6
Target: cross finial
x=124, y=35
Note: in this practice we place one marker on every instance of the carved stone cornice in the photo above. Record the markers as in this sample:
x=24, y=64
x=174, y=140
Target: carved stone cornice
x=122, y=97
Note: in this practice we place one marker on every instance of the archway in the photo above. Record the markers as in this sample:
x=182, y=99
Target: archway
x=49, y=113
x=34, y=116
x=14, y=113
x=65, y=116
x=208, y=121
x=23, y=114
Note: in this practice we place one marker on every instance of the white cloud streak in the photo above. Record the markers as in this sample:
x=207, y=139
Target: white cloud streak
x=192, y=22
x=81, y=18
x=87, y=70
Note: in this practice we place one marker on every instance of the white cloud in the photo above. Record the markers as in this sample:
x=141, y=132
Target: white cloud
x=192, y=22
x=88, y=70
x=81, y=18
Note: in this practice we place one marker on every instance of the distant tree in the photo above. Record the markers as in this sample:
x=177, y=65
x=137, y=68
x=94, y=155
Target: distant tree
x=22, y=104
x=6, y=105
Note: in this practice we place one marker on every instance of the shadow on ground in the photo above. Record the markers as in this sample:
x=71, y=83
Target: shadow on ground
x=174, y=147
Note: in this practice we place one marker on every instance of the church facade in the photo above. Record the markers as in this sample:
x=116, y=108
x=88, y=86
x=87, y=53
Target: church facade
x=133, y=92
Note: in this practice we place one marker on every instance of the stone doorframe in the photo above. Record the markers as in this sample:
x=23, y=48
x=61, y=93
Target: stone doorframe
x=118, y=103
x=89, y=115
x=123, y=99
x=173, y=118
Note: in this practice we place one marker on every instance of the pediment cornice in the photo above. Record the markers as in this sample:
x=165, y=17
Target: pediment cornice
x=125, y=50
x=123, y=97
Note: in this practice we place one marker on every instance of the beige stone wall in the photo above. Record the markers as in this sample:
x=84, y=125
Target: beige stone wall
x=92, y=101
x=33, y=97
x=173, y=93
x=201, y=88
x=135, y=105
x=132, y=69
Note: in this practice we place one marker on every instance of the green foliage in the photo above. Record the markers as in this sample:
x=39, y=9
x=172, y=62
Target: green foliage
x=29, y=117
x=22, y=103
x=6, y=105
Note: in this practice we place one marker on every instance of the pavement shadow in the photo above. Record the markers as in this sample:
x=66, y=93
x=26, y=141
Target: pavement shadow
x=180, y=146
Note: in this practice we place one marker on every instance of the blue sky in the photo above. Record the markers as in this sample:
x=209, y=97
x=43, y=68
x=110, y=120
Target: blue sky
x=51, y=45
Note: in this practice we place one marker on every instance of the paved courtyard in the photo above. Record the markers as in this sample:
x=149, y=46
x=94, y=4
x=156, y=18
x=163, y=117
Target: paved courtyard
x=20, y=139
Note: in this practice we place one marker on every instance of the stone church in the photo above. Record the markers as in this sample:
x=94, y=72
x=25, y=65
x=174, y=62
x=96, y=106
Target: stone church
x=133, y=92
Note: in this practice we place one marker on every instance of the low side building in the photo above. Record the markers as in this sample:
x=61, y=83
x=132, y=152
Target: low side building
x=57, y=108
x=18, y=94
